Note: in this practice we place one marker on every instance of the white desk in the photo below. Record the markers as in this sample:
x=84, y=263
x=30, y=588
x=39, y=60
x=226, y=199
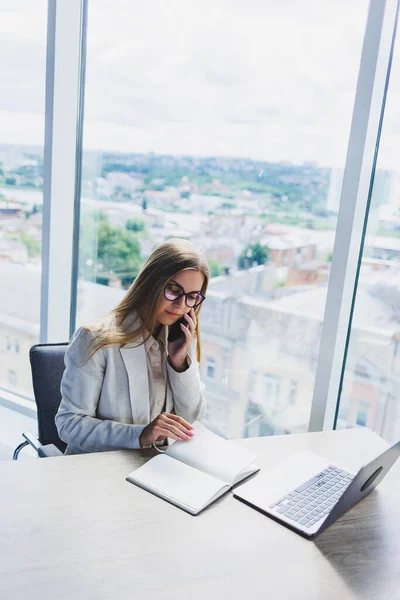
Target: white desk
x=73, y=528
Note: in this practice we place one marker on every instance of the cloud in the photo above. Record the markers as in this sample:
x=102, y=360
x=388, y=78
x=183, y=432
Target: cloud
x=231, y=70
x=23, y=128
x=274, y=81
x=23, y=50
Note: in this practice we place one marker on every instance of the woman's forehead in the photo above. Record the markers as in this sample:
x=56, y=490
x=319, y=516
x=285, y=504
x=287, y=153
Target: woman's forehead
x=189, y=279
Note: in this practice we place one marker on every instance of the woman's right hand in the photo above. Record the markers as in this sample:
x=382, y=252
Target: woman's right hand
x=164, y=426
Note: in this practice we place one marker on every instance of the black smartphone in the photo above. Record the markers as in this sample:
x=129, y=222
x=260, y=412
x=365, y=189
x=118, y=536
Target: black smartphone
x=175, y=331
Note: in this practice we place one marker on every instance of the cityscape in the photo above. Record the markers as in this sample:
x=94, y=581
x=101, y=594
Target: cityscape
x=267, y=230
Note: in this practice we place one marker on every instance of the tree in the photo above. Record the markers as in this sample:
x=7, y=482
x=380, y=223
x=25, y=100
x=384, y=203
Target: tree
x=114, y=251
x=32, y=245
x=120, y=194
x=227, y=205
x=215, y=268
x=134, y=224
x=32, y=211
x=144, y=204
x=253, y=253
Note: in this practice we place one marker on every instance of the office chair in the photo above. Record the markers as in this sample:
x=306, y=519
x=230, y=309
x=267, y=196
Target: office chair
x=47, y=366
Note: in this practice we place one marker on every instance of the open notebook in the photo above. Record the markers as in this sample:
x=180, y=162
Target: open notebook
x=193, y=474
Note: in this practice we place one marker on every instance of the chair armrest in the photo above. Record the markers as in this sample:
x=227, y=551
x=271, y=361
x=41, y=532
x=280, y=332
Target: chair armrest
x=43, y=451
x=32, y=440
x=48, y=451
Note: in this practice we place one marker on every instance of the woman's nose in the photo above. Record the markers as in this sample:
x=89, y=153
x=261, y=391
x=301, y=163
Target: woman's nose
x=180, y=302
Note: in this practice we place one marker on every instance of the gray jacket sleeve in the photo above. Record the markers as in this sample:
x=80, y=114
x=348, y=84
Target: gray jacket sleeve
x=81, y=386
x=188, y=389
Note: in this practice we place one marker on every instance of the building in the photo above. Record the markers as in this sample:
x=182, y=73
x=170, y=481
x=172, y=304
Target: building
x=259, y=352
x=260, y=360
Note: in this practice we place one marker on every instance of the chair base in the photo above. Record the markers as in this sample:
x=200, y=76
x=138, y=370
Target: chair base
x=18, y=450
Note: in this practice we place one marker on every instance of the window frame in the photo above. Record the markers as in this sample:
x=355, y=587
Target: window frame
x=65, y=82
x=368, y=113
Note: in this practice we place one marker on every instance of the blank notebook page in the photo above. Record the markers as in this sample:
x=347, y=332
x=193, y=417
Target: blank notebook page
x=178, y=481
x=211, y=453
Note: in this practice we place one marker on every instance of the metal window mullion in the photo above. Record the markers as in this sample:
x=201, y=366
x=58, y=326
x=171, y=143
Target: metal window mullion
x=354, y=203
x=63, y=70
x=78, y=173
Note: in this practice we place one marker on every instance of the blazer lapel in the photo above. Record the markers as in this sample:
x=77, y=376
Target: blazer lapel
x=136, y=367
x=169, y=401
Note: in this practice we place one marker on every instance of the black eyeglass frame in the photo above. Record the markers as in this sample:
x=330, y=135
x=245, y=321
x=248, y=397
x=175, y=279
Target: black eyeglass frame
x=186, y=294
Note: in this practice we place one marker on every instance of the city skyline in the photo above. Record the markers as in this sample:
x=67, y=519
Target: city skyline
x=28, y=148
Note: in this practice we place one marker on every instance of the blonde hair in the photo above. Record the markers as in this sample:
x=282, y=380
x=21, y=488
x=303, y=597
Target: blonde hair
x=168, y=259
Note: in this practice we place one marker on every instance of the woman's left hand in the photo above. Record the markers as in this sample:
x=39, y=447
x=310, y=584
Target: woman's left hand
x=178, y=349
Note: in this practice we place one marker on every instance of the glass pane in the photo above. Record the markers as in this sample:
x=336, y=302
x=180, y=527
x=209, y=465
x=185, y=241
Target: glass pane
x=23, y=51
x=371, y=386
x=226, y=123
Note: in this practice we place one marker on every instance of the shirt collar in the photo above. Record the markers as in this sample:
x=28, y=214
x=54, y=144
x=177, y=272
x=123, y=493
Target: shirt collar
x=162, y=337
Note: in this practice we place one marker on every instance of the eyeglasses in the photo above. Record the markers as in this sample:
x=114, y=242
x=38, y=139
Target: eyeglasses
x=173, y=292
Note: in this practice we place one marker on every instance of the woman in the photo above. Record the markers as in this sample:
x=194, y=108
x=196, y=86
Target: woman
x=133, y=379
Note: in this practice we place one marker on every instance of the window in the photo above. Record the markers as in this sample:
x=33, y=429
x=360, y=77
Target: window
x=210, y=367
x=23, y=48
x=166, y=152
x=292, y=392
x=343, y=414
x=12, y=377
x=371, y=370
x=252, y=384
x=362, y=414
x=256, y=422
x=272, y=389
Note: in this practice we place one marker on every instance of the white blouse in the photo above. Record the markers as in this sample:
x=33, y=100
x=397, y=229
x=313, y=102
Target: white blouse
x=157, y=372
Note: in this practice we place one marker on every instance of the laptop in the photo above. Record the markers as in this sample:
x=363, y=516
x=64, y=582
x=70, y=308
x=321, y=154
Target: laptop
x=307, y=493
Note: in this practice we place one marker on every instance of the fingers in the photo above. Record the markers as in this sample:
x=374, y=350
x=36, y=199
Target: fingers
x=191, y=321
x=178, y=419
x=178, y=349
x=164, y=426
x=172, y=426
x=187, y=332
x=162, y=433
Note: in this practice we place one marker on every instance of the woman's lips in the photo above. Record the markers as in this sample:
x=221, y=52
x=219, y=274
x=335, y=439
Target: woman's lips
x=172, y=314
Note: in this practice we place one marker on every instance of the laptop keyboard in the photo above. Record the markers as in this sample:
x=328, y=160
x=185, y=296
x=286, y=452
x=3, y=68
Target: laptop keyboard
x=315, y=498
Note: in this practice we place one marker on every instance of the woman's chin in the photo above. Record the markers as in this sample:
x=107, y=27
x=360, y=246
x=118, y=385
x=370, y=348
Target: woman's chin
x=167, y=319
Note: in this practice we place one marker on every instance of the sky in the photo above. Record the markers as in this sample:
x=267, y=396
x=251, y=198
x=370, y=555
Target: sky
x=262, y=79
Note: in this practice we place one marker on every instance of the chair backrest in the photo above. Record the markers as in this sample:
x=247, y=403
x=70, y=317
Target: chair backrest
x=47, y=366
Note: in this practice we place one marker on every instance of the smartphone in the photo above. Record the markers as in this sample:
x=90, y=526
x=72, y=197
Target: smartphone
x=175, y=331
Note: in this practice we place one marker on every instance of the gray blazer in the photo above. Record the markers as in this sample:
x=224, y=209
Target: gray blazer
x=105, y=401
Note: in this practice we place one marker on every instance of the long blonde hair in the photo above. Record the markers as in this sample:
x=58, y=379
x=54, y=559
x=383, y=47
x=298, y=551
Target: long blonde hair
x=146, y=291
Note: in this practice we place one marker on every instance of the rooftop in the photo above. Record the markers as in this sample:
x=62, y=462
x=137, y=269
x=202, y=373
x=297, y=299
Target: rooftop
x=374, y=311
